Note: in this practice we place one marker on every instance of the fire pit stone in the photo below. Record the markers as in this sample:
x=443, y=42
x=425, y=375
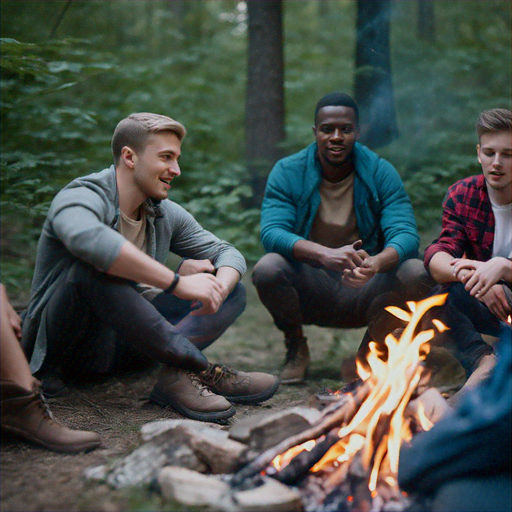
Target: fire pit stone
x=267, y=429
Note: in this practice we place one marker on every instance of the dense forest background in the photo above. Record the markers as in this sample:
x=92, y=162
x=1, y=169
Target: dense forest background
x=72, y=69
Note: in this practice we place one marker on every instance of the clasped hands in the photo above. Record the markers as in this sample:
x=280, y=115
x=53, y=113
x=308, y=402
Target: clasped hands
x=355, y=264
x=481, y=279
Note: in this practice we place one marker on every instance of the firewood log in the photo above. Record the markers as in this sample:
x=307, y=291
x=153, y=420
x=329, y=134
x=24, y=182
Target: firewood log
x=337, y=417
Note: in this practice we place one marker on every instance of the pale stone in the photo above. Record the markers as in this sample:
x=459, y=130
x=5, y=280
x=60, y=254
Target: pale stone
x=155, y=428
x=96, y=472
x=271, y=496
x=192, y=488
x=214, y=448
x=262, y=431
x=144, y=464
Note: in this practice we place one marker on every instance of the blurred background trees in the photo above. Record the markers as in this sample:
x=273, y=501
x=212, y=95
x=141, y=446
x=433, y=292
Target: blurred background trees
x=244, y=78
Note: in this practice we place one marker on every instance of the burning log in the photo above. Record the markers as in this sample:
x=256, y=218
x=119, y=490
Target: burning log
x=304, y=461
x=337, y=414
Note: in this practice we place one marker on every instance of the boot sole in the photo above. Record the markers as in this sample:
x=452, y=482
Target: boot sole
x=164, y=400
x=293, y=381
x=255, y=399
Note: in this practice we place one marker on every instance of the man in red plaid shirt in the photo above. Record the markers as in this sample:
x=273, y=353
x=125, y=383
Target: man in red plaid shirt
x=472, y=256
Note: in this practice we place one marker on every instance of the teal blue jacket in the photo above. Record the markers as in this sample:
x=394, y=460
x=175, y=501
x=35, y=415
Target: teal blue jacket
x=383, y=210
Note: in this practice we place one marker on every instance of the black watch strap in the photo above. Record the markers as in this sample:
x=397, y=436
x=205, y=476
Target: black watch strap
x=174, y=283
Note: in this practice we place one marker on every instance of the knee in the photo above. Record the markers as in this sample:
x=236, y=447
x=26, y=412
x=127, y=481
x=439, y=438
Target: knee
x=238, y=297
x=458, y=296
x=269, y=270
x=414, y=278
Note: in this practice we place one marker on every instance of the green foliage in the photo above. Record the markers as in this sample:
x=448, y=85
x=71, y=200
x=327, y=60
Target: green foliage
x=61, y=99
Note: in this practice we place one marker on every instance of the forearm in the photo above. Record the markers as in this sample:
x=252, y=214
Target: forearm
x=137, y=266
x=441, y=269
x=229, y=277
x=506, y=269
x=309, y=252
x=386, y=260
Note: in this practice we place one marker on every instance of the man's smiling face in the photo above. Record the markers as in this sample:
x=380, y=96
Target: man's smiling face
x=157, y=165
x=336, y=133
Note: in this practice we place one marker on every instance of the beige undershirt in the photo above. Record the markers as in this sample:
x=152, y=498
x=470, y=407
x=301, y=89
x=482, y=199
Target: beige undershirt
x=135, y=232
x=335, y=223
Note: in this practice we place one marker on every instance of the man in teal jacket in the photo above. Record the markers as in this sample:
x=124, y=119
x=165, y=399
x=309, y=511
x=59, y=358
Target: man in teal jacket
x=339, y=231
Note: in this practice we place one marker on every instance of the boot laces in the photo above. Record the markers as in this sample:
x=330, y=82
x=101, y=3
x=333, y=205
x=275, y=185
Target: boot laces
x=196, y=382
x=43, y=404
x=218, y=372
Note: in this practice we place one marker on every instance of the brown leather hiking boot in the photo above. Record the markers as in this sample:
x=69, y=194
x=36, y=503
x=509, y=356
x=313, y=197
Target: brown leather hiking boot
x=236, y=386
x=297, y=361
x=185, y=392
x=26, y=415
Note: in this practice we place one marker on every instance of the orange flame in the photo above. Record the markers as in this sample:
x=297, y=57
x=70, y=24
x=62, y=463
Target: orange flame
x=379, y=426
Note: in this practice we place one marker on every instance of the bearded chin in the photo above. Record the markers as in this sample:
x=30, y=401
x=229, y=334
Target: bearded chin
x=499, y=187
x=344, y=162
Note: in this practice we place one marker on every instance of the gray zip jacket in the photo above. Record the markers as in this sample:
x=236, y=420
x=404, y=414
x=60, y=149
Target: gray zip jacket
x=81, y=225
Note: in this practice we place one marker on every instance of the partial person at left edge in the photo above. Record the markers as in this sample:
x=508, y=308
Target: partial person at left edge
x=102, y=299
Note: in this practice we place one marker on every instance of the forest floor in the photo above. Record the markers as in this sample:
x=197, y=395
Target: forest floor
x=33, y=479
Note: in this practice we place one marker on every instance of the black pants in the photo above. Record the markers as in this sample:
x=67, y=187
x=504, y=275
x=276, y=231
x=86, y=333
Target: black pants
x=297, y=294
x=99, y=324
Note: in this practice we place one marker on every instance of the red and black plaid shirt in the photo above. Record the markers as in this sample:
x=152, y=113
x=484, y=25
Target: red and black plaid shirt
x=468, y=222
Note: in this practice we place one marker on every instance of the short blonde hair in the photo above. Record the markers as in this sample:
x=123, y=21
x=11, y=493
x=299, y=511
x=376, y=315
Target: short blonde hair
x=494, y=121
x=134, y=131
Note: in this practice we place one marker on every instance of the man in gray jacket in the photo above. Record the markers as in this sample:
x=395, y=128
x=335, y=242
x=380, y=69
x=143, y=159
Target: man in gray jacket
x=102, y=298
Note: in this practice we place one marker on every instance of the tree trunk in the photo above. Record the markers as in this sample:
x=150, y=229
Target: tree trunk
x=426, y=21
x=373, y=85
x=264, y=108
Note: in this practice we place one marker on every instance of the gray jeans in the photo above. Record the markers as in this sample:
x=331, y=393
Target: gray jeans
x=298, y=294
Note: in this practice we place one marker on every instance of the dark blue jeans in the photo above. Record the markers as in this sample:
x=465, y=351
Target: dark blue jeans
x=99, y=324
x=468, y=319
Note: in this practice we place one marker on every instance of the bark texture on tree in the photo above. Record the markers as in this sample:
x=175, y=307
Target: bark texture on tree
x=426, y=21
x=373, y=85
x=264, y=109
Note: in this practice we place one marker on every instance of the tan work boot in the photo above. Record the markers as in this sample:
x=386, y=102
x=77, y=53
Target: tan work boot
x=297, y=361
x=236, y=386
x=185, y=392
x=26, y=415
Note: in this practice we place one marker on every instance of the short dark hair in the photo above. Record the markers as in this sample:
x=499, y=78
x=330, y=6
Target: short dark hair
x=135, y=130
x=337, y=99
x=493, y=121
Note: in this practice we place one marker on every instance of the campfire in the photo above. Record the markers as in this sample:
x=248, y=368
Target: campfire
x=343, y=456
x=353, y=452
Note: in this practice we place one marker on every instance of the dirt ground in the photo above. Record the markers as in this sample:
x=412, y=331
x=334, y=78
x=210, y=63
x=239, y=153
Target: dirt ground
x=33, y=479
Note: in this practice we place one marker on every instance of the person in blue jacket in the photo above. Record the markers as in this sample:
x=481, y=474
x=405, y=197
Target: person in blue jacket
x=339, y=231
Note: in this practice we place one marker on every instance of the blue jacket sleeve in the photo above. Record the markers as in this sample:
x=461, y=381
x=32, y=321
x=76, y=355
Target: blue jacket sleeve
x=279, y=213
x=397, y=217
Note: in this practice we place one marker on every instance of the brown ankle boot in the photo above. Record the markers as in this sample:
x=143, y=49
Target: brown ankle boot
x=184, y=392
x=26, y=415
x=237, y=386
x=297, y=361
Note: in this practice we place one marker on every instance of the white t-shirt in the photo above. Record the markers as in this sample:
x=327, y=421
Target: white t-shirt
x=502, y=231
